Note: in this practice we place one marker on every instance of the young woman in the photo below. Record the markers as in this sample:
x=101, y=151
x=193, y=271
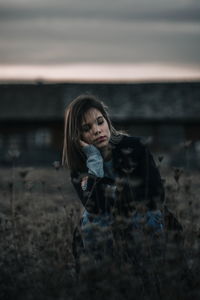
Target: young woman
x=114, y=175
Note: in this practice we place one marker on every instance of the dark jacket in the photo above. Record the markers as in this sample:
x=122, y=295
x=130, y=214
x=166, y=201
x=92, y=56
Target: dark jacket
x=138, y=181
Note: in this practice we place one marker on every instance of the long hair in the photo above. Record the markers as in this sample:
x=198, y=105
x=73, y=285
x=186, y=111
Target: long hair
x=73, y=156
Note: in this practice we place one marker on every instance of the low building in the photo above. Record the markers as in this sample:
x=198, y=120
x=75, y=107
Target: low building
x=166, y=114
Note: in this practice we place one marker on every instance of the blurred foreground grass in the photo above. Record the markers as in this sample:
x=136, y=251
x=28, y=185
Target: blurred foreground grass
x=38, y=213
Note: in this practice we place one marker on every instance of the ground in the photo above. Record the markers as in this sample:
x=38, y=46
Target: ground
x=38, y=213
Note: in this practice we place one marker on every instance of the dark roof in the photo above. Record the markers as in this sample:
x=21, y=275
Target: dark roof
x=126, y=102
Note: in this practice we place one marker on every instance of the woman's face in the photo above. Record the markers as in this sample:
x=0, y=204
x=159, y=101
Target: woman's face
x=95, y=129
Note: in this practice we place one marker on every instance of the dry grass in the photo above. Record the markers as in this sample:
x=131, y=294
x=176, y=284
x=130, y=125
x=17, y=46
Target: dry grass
x=39, y=211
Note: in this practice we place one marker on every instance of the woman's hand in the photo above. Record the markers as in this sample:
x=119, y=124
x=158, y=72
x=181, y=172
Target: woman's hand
x=83, y=144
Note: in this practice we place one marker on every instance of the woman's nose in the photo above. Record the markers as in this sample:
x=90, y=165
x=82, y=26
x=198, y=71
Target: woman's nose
x=96, y=129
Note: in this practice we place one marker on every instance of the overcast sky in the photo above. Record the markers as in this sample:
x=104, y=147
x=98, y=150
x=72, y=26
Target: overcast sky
x=99, y=31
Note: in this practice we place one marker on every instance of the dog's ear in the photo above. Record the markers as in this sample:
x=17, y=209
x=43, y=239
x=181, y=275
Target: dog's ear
x=171, y=221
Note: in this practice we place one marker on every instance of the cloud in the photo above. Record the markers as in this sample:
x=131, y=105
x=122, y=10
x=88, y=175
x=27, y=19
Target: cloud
x=65, y=31
x=74, y=40
x=117, y=9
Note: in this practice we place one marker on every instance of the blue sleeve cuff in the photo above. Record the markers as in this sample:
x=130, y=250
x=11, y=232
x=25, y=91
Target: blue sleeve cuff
x=94, y=161
x=90, y=149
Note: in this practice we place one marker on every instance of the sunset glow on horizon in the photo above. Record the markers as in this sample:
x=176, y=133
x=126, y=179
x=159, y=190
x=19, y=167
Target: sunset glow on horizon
x=105, y=72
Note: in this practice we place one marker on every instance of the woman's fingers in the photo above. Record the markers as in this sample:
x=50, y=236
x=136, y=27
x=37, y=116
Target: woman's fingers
x=84, y=183
x=83, y=144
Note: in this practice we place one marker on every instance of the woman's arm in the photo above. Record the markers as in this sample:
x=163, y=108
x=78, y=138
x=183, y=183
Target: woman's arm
x=94, y=160
x=95, y=197
x=91, y=187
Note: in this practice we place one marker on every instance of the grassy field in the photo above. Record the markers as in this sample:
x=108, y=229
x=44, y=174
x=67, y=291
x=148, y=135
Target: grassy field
x=38, y=213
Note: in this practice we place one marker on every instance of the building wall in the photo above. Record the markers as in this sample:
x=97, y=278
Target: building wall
x=31, y=118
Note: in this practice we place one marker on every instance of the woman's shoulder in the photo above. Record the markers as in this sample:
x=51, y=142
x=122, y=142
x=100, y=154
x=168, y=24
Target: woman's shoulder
x=130, y=141
x=132, y=145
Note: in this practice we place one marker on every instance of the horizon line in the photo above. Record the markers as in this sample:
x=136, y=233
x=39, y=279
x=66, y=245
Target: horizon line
x=99, y=72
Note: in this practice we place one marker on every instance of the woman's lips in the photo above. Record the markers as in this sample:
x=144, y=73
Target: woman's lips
x=100, y=139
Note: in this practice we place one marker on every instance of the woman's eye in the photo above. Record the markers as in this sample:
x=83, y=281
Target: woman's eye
x=100, y=121
x=86, y=128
